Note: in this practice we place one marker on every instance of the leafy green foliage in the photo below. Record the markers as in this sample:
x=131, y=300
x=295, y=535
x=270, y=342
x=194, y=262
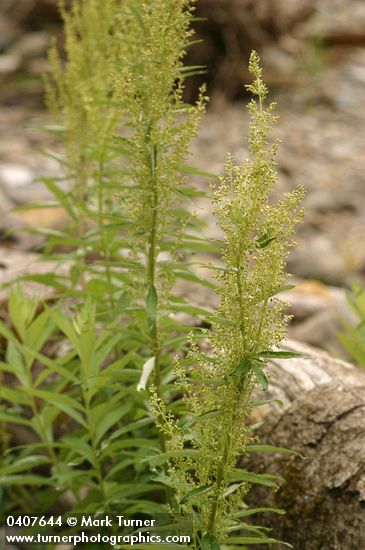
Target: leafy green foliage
x=353, y=337
x=75, y=406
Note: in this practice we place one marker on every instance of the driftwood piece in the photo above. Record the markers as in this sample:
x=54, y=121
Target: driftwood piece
x=323, y=418
x=230, y=29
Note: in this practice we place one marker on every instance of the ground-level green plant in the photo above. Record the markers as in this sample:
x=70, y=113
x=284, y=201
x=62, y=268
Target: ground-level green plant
x=83, y=421
x=203, y=450
x=353, y=336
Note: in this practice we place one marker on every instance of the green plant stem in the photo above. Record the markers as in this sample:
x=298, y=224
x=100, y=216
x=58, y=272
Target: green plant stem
x=42, y=431
x=151, y=274
x=261, y=323
x=227, y=441
x=80, y=190
x=217, y=493
x=228, y=429
x=151, y=278
x=97, y=465
x=103, y=241
x=240, y=301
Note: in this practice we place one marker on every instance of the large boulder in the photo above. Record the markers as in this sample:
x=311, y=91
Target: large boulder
x=323, y=418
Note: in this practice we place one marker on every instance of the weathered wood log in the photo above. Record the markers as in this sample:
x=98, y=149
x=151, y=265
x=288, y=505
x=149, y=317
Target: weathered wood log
x=323, y=418
x=230, y=29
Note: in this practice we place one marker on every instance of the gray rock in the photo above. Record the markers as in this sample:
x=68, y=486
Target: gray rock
x=318, y=312
x=324, y=201
x=30, y=45
x=15, y=263
x=9, y=63
x=288, y=14
x=14, y=179
x=338, y=19
x=318, y=259
x=37, y=66
x=319, y=330
x=18, y=185
x=323, y=418
x=15, y=175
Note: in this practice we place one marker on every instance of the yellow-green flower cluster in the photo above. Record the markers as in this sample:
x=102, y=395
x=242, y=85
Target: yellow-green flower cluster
x=258, y=237
x=249, y=323
x=160, y=124
x=79, y=92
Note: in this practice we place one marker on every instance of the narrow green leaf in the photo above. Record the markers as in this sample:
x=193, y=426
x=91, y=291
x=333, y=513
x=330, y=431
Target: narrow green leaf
x=196, y=492
x=104, y=351
x=198, y=172
x=63, y=402
x=281, y=355
x=38, y=332
x=108, y=449
x=48, y=279
x=267, y=480
x=131, y=426
x=261, y=377
x=264, y=241
x=164, y=479
x=162, y=457
x=53, y=367
x=14, y=396
x=22, y=480
x=190, y=276
x=7, y=333
x=107, y=422
x=191, y=310
x=25, y=463
x=282, y=288
x=254, y=540
x=12, y=418
x=210, y=542
x=62, y=197
x=80, y=447
x=243, y=367
x=16, y=360
x=204, y=416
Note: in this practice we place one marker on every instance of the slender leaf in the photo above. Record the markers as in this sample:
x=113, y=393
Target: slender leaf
x=254, y=540
x=281, y=355
x=210, y=542
x=196, y=492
